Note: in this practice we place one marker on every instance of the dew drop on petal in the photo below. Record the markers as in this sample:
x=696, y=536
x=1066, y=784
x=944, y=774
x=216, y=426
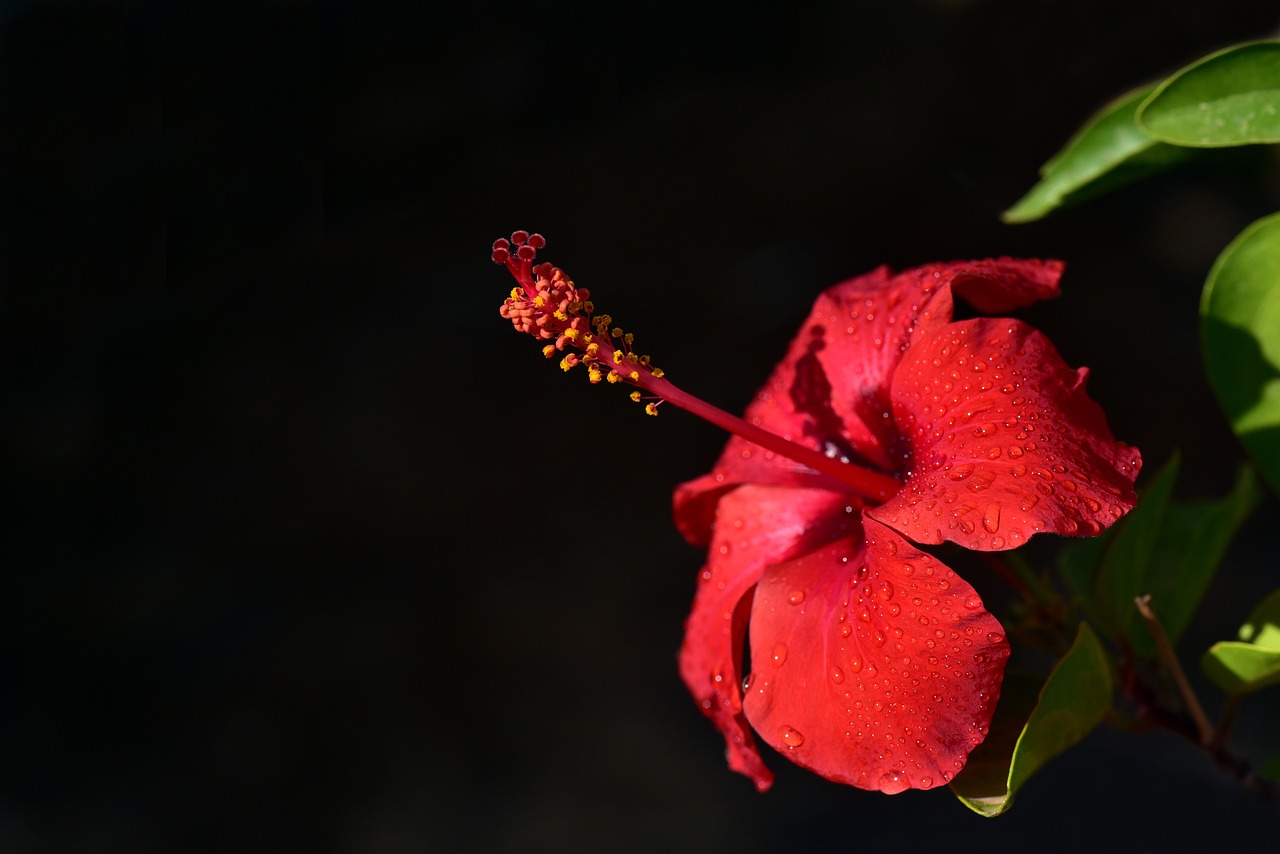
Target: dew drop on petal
x=973, y=603
x=837, y=675
x=779, y=654
x=893, y=782
x=991, y=519
x=796, y=597
x=790, y=737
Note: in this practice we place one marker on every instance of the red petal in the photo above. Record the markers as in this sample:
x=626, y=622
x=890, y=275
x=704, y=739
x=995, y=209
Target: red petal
x=1003, y=284
x=1005, y=443
x=874, y=665
x=755, y=526
x=831, y=390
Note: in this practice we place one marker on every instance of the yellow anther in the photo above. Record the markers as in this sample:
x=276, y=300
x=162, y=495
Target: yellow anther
x=549, y=350
x=635, y=395
x=539, y=301
x=658, y=373
x=566, y=364
x=592, y=349
x=594, y=374
x=571, y=334
x=651, y=408
x=516, y=293
x=586, y=339
x=560, y=315
x=644, y=360
x=589, y=306
x=614, y=377
x=628, y=338
x=617, y=357
x=634, y=375
x=617, y=333
x=632, y=360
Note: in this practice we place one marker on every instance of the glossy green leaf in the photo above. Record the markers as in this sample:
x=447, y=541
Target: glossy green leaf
x=1107, y=152
x=1071, y=703
x=1252, y=662
x=1240, y=332
x=1231, y=97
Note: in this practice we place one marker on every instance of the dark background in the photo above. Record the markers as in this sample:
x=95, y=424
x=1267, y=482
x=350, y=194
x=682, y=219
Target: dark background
x=311, y=552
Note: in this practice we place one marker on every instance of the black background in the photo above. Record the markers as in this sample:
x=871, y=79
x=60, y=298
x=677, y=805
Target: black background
x=311, y=552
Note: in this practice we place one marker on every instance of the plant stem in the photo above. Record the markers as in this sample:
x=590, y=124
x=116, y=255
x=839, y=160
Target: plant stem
x=1203, y=727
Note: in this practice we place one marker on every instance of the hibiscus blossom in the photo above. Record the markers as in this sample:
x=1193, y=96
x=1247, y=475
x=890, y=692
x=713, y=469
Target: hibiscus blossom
x=886, y=424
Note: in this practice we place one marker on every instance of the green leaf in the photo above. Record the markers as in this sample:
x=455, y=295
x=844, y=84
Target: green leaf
x=1072, y=702
x=1240, y=333
x=1231, y=97
x=1240, y=668
x=1107, y=152
x=1253, y=662
x=1263, y=625
x=1194, y=536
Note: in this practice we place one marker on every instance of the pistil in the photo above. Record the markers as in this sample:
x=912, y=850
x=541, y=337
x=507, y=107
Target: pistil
x=548, y=306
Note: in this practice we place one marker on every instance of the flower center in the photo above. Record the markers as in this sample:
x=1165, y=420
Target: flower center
x=548, y=306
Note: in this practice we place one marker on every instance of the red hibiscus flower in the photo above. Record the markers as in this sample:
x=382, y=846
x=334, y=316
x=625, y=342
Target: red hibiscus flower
x=886, y=424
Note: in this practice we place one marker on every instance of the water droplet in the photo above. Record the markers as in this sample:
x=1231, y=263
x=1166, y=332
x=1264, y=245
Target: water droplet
x=981, y=480
x=995, y=637
x=893, y=782
x=746, y=682
x=855, y=663
x=837, y=675
x=790, y=737
x=779, y=654
x=1014, y=452
x=890, y=547
x=846, y=630
x=1029, y=500
x=973, y=603
x=796, y=597
x=886, y=590
x=991, y=519
x=984, y=429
